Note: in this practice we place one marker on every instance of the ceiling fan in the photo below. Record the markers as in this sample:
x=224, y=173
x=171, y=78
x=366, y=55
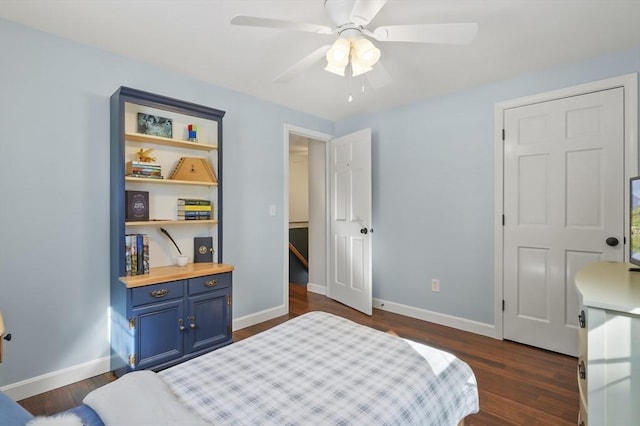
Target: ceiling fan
x=353, y=52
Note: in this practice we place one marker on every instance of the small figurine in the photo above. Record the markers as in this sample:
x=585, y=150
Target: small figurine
x=193, y=129
x=144, y=156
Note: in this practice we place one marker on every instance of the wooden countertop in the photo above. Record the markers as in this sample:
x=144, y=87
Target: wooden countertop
x=174, y=273
x=611, y=286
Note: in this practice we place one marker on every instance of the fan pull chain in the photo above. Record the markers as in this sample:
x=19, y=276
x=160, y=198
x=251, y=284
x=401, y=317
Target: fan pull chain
x=349, y=77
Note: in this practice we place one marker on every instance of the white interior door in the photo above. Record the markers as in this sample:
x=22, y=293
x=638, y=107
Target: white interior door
x=349, y=280
x=564, y=187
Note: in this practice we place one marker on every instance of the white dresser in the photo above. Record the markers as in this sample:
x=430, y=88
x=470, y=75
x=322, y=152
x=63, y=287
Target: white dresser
x=609, y=353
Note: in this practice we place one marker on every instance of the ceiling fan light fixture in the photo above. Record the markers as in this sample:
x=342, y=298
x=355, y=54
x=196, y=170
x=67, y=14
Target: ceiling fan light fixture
x=350, y=21
x=338, y=56
x=358, y=68
x=336, y=69
x=365, y=52
x=339, y=52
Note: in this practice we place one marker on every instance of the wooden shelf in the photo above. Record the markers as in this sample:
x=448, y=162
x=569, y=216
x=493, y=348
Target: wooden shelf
x=158, y=140
x=169, y=181
x=172, y=222
x=163, y=274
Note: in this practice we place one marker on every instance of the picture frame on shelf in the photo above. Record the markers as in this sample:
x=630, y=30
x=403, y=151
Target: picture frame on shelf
x=149, y=124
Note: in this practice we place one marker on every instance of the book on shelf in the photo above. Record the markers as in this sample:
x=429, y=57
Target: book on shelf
x=140, y=244
x=142, y=175
x=127, y=256
x=144, y=163
x=194, y=209
x=142, y=169
x=193, y=202
x=136, y=254
x=194, y=214
x=204, y=217
x=137, y=206
x=145, y=257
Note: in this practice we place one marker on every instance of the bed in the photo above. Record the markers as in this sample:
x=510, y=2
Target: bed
x=315, y=369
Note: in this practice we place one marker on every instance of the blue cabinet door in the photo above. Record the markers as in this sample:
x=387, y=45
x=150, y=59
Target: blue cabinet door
x=160, y=337
x=209, y=320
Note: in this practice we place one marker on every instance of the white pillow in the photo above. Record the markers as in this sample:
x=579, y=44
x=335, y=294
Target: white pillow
x=66, y=419
x=140, y=398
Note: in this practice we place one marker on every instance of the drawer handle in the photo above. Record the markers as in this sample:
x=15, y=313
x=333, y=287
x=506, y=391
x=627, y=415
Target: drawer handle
x=581, y=371
x=159, y=293
x=210, y=283
x=582, y=319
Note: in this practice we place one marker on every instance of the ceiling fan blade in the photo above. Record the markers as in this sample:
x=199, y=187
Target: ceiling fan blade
x=378, y=77
x=253, y=21
x=303, y=64
x=364, y=11
x=427, y=33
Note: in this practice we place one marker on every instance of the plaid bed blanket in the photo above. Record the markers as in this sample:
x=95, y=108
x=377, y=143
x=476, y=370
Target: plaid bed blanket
x=321, y=369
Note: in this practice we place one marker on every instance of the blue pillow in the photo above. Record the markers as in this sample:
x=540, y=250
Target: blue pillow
x=12, y=413
x=88, y=416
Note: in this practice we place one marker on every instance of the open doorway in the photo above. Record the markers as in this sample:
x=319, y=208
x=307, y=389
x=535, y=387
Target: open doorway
x=341, y=271
x=306, y=224
x=299, y=209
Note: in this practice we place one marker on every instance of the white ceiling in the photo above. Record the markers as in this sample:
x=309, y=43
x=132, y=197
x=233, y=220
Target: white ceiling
x=194, y=37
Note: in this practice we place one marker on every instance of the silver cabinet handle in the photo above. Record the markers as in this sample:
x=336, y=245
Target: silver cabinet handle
x=159, y=293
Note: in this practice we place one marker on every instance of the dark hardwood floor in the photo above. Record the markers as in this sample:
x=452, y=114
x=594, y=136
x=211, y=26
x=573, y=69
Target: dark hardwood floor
x=518, y=384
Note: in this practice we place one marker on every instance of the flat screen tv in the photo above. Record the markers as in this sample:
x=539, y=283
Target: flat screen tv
x=634, y=221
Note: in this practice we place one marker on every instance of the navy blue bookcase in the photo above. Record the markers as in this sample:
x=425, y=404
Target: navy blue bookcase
x=172, y=313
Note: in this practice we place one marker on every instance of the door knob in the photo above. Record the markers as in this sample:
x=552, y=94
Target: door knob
x=582, y=319
x=612, y=241
x=364, y=231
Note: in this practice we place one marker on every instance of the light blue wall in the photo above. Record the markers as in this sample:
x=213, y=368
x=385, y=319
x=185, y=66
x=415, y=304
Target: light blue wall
x=433, y=192
x=433, y=189
x=54, y=194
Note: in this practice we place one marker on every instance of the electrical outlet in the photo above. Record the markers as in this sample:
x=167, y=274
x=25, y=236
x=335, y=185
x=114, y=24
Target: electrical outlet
x=435, y=285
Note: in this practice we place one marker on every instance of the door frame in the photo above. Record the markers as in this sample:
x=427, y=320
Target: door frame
x=325, y=138
x=629, y=83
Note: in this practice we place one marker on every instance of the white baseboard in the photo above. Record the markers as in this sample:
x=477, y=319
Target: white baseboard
x=317, y=288
x=56, y=379
x=438, y=318
x=425, y=315
x=249, y=320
